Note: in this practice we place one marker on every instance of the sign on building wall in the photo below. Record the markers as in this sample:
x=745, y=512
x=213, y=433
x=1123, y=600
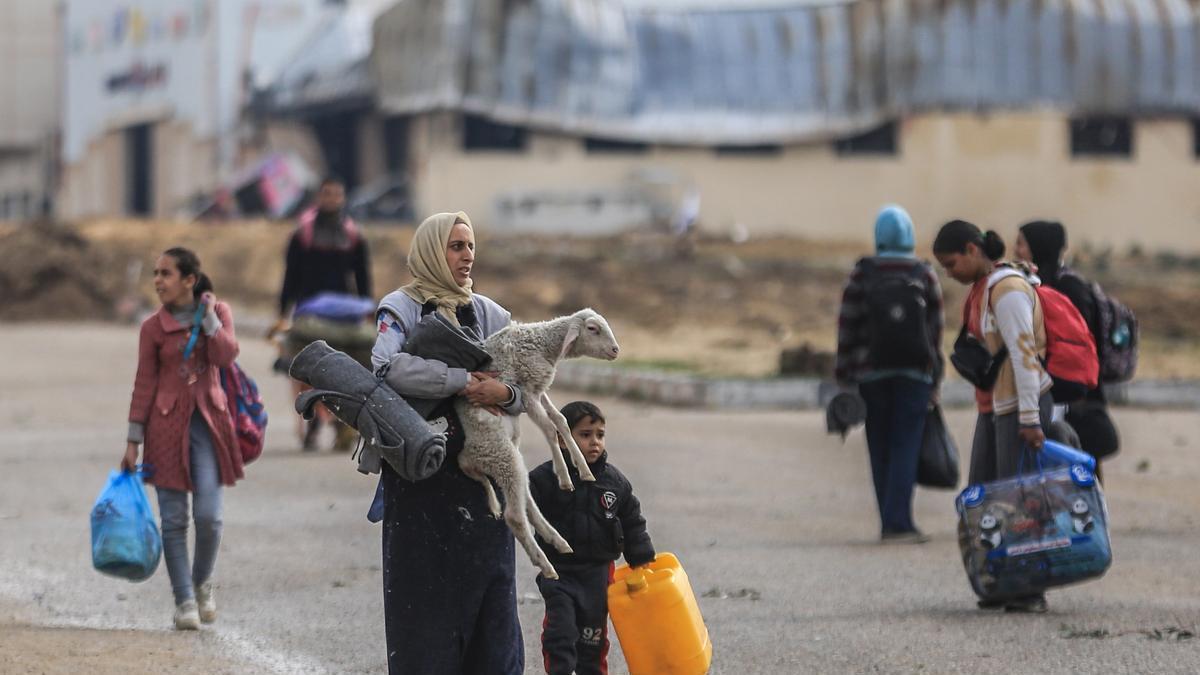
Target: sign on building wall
x=133, y=62
x=127, y=63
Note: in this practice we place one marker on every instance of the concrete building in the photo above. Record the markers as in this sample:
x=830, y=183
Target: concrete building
x=28, y=105
x=154, y=92
x=772, y=116
x=321, y=104
x=800, y=117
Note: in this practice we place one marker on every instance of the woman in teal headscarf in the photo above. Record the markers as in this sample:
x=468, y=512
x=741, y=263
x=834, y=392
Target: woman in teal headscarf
x=889, y=346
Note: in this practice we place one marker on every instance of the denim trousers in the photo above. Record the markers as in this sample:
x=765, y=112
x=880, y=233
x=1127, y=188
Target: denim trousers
x=206, y=508
x=896, y=408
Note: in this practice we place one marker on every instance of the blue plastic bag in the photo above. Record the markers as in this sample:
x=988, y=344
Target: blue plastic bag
x=125, y=539
x=339, y=307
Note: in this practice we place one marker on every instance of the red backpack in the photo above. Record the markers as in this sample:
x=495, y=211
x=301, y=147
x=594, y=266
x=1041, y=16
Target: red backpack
x=1071, y=357
x=247, y=410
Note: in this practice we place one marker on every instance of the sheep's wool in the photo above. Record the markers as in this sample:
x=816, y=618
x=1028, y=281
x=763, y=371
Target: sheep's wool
x=432, y=278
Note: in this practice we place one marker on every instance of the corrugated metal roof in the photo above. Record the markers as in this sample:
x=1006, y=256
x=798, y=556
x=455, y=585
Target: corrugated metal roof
x=331, y=68
x=781, y=73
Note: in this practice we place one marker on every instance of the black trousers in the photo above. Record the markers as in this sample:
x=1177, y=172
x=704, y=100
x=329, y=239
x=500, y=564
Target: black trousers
x=575, y=631
x=450, y=599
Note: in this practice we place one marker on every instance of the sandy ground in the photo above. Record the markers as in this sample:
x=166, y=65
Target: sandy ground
x=710, y=305
x=772, y=518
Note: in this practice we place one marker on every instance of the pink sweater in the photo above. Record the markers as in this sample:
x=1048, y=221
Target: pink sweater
x=164, y=398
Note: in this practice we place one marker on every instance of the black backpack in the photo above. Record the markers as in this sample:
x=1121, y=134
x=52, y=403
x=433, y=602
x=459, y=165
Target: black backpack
x=897, y=316
x=1117, y=341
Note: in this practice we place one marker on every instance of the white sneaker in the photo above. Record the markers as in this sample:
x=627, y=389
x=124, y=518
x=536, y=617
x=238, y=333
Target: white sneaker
x=186, y=616
x=206, y=602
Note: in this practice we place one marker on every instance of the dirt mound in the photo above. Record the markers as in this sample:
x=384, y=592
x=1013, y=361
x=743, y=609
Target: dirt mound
x=49, y=269
x=706, y=305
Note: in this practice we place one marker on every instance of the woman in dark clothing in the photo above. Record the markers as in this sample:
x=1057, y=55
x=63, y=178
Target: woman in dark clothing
x=1044, y=243
x=897, y=378
x=449, y=568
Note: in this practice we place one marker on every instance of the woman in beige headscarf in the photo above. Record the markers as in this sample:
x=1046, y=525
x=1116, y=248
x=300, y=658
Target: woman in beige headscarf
x=448, y=567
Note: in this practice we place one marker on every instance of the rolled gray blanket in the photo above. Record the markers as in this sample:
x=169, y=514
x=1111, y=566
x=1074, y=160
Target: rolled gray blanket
x=357, y=397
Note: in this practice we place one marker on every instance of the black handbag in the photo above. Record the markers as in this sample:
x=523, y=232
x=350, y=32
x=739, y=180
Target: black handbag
x=971, y=358
x=1097, y=432
x=937, y=462
x=845, y=411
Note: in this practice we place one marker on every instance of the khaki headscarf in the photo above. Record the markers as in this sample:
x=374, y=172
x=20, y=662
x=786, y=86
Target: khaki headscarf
x=432, y=278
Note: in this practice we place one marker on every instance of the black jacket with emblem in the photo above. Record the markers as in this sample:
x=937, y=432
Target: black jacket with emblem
x=600, y=520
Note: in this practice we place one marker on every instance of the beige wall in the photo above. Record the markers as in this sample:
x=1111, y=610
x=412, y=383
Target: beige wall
x=185, y=165
x=372, y=160
x=96, y=185
x=997, y=171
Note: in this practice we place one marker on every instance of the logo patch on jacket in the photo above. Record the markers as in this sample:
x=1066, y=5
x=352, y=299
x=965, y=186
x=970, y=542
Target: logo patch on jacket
x=608, y=498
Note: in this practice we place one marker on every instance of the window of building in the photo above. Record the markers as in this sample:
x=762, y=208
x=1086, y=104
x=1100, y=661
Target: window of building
x=1101, y=136
x=613, y=146
x=878, y=141
x=762, y=150
x=480, y=133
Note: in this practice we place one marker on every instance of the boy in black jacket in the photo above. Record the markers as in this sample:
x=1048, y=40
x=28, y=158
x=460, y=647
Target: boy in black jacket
x=600, y=521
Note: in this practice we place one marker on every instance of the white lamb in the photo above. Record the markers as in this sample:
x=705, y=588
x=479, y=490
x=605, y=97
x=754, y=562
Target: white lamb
x=526, y=356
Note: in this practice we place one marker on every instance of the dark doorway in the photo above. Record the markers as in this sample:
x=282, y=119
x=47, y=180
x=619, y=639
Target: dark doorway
x=395, y=145
x=338, y=136
x=139, y=170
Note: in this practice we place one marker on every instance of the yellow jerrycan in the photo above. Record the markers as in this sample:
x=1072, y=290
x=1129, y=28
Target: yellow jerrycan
x=657, y=619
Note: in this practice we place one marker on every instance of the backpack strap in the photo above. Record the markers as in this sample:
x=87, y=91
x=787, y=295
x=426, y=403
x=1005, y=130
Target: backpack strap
x=308, y=221
x=195, y=334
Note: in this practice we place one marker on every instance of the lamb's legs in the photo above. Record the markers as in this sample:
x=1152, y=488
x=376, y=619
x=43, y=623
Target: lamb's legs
x=560, y=423
x=543, y=526
x=469, y=467
x=537, y=412
x=515, y=487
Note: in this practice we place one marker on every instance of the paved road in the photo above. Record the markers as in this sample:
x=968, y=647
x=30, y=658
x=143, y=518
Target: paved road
x=772, y=519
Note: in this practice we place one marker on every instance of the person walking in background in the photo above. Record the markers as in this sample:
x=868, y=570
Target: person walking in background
x=889, y=346
x=325, y=254
x=1044, y=243
x=1002, y=309
x=603, y=521
x=180, y=414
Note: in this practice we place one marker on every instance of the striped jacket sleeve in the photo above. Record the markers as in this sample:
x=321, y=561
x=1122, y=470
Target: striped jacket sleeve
x=935, y=321
x=852, y=343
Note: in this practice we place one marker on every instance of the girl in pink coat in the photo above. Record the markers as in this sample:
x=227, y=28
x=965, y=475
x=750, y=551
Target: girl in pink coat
x=180, y=414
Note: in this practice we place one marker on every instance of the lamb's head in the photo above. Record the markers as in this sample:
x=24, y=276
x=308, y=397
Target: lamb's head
x=588, y=334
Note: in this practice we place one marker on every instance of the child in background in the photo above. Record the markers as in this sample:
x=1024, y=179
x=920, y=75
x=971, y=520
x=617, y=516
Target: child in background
x=601, y=520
